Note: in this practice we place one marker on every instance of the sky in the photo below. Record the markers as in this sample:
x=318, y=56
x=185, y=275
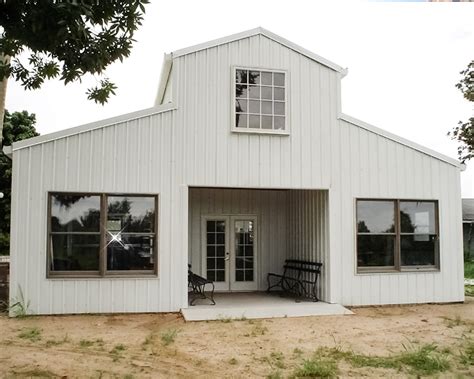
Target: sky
x=403, y=58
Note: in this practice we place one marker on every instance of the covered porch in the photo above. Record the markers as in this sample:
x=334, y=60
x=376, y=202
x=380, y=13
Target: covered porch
x=238, y=236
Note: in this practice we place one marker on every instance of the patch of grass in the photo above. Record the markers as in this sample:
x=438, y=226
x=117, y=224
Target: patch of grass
x=298, y=352
x=423, y=360
x=34, y=373
x=467, y=356
x=233, y=361
x=469, y=269
x=318, y=367
x=32, y=334
x=168, y=336
x=148, y=340
x=89, y=343
x=50, y=343
x=278, y=359
x=258, y=330
x=225, y=320
x=275, y=375
x=86, y=343
x=469, y=290
x=452, y=322
x=118, y=348
x=457, y=321
x=20, y=307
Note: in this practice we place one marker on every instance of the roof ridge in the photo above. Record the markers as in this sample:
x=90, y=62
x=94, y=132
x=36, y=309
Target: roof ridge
x=265, y=32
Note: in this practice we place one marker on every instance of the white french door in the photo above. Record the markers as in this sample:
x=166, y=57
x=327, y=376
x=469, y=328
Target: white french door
x=229, y=251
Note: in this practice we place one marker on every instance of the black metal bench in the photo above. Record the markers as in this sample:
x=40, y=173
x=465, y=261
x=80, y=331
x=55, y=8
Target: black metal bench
x=299, y=278
x=197, y=287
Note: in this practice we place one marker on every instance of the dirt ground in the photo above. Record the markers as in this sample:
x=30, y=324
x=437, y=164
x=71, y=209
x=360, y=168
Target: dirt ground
x=163, y=345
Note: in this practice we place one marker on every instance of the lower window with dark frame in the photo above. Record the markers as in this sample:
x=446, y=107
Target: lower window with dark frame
x=99, y=235
x=397, y=235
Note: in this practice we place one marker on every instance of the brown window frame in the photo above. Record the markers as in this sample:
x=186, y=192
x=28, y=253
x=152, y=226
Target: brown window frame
x=102, y=272
x=398, y=267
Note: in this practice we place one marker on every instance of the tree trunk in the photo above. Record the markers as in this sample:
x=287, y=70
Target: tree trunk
x=3, y=95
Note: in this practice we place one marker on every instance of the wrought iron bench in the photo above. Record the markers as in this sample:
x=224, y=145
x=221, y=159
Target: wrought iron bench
x=299, y=278
x=197, y=287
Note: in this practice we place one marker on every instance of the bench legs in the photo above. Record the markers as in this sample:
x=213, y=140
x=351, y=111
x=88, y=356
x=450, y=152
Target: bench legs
x=200, y=293
x=294, y=286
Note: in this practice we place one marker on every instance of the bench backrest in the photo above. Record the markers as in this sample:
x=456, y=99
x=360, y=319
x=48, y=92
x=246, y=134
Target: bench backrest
x=302, y=266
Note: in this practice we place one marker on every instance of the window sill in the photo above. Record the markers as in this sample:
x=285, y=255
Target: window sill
x=393, y=271
x=260, y=131
x=110, y=276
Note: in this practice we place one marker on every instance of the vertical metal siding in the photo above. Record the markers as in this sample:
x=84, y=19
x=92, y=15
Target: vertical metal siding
x=131, y=157
x=193, y=146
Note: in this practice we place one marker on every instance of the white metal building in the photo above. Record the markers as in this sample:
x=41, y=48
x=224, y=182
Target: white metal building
x=245, y=160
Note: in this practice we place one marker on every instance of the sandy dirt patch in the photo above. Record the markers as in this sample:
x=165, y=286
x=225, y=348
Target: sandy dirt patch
x=163, y=345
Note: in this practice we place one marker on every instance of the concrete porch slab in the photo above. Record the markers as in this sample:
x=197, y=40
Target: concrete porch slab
x=258, y=305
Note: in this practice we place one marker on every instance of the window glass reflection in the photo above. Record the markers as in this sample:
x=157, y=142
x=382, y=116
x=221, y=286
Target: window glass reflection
x=375, y=216
x=75, y=213
x=417, y=217
x=131, y=214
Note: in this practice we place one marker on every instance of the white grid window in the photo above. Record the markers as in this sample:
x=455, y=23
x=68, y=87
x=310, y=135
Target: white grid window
x=260, y=100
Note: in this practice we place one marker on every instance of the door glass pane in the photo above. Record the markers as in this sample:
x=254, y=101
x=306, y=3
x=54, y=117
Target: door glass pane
x=244, y=251
x=215, y=241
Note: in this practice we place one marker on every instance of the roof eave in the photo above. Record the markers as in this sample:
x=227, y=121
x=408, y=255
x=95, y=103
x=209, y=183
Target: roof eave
x=91, y=126
x=8, y=151
x=401, y=140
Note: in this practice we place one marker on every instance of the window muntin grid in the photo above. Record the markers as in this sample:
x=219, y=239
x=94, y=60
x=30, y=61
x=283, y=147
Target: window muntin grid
x=260, y=100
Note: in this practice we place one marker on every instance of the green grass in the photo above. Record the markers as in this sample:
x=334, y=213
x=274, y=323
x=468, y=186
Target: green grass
x=275, y=375
x=469, y=290
x=469, y=269
x=168, y=337
x=34, y=373
x=467, y=356
x=422, y=360
x=318, y=367
x=32, y=334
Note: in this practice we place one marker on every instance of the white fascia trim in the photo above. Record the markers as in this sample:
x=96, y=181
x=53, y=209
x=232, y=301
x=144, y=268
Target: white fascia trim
x=266, y=33
x=164, y=78
x=401, y=140
x=7, y=150
x=92, y=126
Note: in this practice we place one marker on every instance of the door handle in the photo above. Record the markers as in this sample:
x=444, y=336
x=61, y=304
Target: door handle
x=227, y=256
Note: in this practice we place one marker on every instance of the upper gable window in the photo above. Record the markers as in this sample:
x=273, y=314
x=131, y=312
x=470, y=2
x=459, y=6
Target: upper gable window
x=260, y=100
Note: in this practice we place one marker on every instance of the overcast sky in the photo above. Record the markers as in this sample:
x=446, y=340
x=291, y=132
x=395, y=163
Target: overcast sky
x=403, y=59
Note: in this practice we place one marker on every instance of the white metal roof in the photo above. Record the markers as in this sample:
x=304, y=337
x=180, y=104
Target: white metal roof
x=164, y=79
x=87, y=127
x=266, y=33
x=401, y=140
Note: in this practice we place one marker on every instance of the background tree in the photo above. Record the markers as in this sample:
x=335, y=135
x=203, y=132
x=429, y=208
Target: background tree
x=17, y=126
x=44, y=39
x=464, y=132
